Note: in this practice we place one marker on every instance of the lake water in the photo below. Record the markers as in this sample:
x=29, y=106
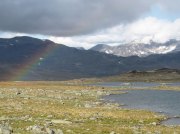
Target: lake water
x=134, y=84
x=163, y=101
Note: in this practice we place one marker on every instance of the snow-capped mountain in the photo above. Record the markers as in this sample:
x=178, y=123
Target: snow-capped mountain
x=139, y=49
x=46, y=60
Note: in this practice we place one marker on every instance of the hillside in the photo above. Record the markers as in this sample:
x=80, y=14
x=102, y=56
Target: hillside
x=159, y=75
x=26, y=58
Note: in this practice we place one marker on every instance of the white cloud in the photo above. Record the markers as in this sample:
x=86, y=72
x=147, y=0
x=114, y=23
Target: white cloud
x=10, y=34
x=142, y=30
x=152, y=28
x=77, y=17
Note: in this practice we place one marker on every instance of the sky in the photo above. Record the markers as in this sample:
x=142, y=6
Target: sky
x=85, y=23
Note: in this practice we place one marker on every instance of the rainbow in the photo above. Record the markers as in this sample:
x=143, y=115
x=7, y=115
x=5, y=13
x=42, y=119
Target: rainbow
x=23, y=71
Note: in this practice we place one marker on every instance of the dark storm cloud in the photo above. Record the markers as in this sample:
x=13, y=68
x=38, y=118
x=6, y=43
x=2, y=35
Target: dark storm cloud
x=67, y=17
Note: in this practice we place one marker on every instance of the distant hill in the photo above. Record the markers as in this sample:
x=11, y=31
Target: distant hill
x=26, y=58
x=158, y=75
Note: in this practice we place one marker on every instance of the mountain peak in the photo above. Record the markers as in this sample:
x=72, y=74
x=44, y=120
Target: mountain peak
x=58, y=62
x=140, y=49
x=99, y=46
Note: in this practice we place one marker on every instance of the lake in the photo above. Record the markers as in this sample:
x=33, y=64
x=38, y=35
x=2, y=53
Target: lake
x=160, y=101
x=164, y=102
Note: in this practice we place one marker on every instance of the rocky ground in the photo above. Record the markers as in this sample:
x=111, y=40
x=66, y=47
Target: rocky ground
x=56, y=108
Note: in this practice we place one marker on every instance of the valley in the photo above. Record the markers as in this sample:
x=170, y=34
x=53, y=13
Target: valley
x=89, y=67
x=49, y=88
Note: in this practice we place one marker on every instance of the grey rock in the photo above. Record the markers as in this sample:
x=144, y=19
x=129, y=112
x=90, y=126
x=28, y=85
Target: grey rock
x=35, y=129
x=154, y=123
x=59, y=131
x=88, y=106
x=43, y=130
x=112, y=132
x=61, y=122
x=18, y=93
x=5, y=129
x=50, y=131
x=49, y=116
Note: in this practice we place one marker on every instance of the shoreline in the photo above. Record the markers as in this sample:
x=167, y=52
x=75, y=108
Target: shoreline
x=123, y=106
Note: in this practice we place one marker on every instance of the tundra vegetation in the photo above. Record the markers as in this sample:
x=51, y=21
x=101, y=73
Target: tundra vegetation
x=68, y=108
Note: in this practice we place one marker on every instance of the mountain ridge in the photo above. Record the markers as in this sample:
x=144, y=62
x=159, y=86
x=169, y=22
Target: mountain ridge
x=45, y=60
x=139, y=49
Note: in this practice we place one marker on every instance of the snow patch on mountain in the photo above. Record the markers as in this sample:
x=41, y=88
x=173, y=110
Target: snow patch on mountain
x=163, y=49
x=139, y=49
x=109, y=51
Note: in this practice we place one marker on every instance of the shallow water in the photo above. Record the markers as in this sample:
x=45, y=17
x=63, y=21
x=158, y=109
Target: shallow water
x=175, y=84
x=172, y=121
x=129, y=84
x=164, y=102
x=135, y=84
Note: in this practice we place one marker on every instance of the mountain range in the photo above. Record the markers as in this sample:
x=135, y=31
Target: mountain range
x=139, y=49
x=27, y=58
